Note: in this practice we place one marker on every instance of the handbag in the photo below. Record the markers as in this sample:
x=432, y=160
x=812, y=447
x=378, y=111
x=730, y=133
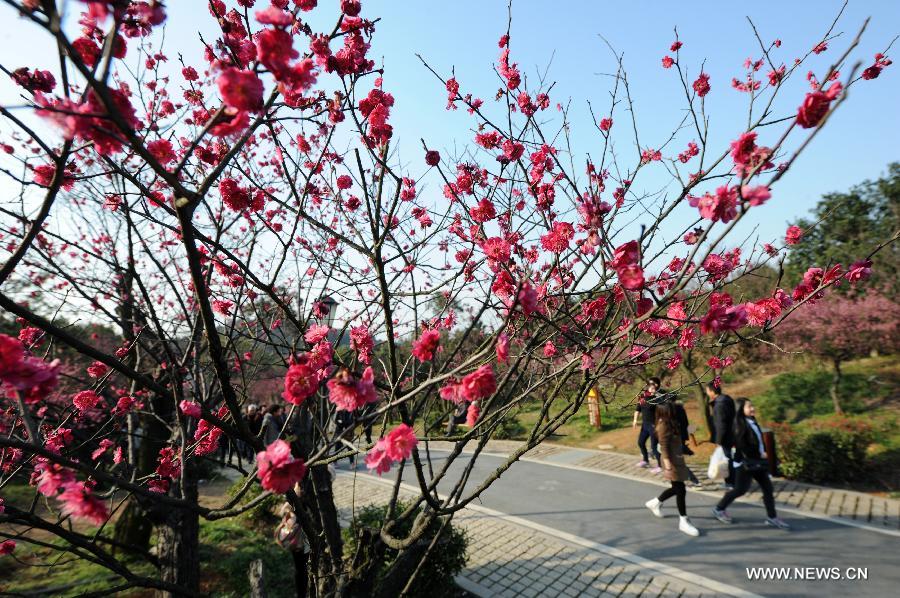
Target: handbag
x=754, y=464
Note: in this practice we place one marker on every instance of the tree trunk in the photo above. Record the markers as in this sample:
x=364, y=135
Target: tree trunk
x=365, y=563
x=395, y=579
x=178, y=543
x=330, y=559
x=301, y=572
x=835, y=387
x=135, y=527
x=257, y=580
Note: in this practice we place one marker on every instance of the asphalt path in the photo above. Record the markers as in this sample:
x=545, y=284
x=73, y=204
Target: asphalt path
x=610, y=510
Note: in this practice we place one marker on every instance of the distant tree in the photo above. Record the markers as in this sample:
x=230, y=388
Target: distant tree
x=755, y=283
x=844, y=227
x=840, y=328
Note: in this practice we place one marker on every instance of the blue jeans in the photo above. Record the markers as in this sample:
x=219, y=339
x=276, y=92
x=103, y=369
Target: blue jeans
x=647, y=431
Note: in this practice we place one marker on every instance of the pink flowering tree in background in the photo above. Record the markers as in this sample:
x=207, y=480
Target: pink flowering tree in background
x=839, y=328
x=206, y=213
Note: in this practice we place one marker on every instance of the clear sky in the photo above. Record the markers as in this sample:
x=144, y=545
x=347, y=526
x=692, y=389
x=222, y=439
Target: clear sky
x=857, y=143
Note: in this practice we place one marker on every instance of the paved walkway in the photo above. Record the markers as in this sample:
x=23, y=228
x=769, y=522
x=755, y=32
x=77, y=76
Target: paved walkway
x=509, y=556
x=854, y=508
x=560, y=524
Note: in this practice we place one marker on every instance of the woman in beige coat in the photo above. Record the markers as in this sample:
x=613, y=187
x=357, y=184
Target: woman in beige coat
x=674, y=468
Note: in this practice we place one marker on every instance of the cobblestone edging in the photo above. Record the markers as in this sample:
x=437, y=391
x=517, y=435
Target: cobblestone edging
x=846, y=505
x=510, y=557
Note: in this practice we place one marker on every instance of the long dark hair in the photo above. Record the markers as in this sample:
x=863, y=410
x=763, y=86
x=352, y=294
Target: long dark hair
x=665, y=413
x=740, y=420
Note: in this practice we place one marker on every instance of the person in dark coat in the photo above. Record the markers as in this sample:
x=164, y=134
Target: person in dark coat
x=254, y=418
x=684, y=432
x=272, y=423
x=674, y=468
x=254, y=422
x=723, y=422
x=367, y=416
x=750, y=463
x=646, y=410
x=457, y=417
x=344, y=423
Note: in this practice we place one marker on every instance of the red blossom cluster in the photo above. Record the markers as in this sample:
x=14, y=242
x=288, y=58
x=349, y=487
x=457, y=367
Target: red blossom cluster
x=278, y=470
x=31, y=377
x=349, y=392
x=376, y=109
x=626, y=263
x=393, y=448
x=89, y=121
x=816, y=105
x=76, y=497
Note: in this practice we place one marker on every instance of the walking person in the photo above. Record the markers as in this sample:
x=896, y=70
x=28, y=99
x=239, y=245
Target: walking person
x=457, y=417
x=368, y=418
x=271, y=425
x=646, y=408
x=723, y=422
x=344, y=423
x=674, y=468
x=254, y=422
x=254, y=418
x=684, y=424
x=750, y=463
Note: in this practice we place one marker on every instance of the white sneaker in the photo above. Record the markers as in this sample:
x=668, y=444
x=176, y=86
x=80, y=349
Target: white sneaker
x=685, y=525
x=654, y=505
x=777, y=522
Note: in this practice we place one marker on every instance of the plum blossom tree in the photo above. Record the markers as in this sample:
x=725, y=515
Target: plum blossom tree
x=839, y=328
x=201, y=211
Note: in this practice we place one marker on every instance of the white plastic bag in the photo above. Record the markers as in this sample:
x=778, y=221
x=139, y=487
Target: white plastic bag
x=718, y=465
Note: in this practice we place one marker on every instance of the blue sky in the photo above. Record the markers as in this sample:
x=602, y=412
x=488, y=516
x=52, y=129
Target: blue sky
x=857, y=143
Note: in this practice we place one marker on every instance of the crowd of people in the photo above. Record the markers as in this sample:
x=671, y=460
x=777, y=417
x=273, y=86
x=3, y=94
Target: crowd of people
x=664, y=423
x=271, y=422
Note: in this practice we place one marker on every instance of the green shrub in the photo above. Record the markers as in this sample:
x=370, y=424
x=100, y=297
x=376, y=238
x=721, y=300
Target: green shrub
x=509, y=428
x=262, y=514
x=796, y=396
x=444, y=562
x=825, y=449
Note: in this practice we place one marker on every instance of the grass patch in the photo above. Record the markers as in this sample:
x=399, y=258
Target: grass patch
x=795, y=396
x=227, y=547
x=578, y=430
x=48, y=572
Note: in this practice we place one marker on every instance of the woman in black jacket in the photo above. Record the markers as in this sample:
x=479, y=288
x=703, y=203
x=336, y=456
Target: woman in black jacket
x=750, y=463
